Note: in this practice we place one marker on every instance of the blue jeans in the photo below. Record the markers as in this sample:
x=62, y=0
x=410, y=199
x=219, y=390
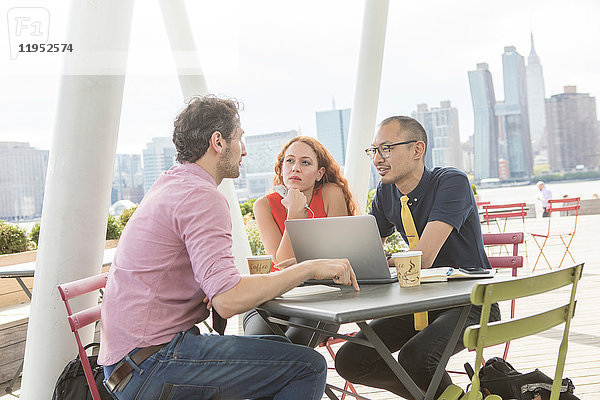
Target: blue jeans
x=195, y=366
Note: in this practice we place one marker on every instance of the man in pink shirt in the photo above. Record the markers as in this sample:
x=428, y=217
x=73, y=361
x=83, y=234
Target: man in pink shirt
x=174, y=262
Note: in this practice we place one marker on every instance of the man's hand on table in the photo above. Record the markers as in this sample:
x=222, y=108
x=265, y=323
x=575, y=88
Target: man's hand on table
x=337, y=269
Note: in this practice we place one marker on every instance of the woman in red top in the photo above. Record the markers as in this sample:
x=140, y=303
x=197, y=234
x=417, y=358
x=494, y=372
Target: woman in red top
x=308, y=183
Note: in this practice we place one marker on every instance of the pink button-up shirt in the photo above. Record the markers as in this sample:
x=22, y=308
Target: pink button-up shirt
x=174, y=251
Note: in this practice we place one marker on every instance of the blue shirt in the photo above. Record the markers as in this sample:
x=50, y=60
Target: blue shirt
x=443, y=194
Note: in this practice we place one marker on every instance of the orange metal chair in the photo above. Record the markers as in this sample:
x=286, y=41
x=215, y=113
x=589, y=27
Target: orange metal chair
x=569, y=206
x=83, y=318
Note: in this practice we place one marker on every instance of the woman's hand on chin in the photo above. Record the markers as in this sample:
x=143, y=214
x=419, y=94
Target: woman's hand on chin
x=294, y=201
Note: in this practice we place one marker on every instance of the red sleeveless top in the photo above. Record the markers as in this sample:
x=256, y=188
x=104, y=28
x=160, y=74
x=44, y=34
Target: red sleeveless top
x=279, y=211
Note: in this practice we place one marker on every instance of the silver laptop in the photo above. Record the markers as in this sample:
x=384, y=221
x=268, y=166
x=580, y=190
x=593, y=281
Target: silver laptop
x=355, y=238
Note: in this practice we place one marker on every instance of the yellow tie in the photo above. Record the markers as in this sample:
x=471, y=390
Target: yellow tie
x=421, y=320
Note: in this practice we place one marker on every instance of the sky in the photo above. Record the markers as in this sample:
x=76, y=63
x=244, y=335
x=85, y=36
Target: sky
x=285, y=60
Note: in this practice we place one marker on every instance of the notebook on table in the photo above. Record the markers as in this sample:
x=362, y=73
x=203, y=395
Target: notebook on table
x=355, y=238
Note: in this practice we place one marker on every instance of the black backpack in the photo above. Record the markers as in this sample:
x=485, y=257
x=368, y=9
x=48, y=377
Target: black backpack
x=71, y=384
x=499, y=377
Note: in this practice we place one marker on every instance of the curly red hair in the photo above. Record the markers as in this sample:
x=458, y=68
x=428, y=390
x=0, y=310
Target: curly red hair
x=333, y=172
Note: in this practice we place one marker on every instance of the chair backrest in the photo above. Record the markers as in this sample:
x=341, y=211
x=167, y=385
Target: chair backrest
x=498, y=239
x=512, y=210
x=565, y=205
x=485, y=294
x=83, y=318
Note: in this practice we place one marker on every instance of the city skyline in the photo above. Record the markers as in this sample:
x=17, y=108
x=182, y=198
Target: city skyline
x=287, y=68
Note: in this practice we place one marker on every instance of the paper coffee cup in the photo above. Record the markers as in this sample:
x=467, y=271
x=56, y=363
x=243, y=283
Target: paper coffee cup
x=259, y=264
x=408, y=266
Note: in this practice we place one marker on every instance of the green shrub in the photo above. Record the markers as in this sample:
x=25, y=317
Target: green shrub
x=124, y=217
x=247, y=207
x=113, y=228
x=34, y=234
x=256, y=245
x=394, y=242
x=13, y=239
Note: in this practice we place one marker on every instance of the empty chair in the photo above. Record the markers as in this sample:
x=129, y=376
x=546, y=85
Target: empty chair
x=513, y=262
x=83, y=318
x=486, y=334
x=568, y=206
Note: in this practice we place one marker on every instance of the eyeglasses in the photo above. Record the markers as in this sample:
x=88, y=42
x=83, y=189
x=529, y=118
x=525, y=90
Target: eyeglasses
x=385, y=150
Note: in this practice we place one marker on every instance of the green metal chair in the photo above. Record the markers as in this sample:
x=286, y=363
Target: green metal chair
x=488, y=334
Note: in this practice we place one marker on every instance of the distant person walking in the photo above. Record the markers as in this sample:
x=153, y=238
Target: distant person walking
x=545, y=196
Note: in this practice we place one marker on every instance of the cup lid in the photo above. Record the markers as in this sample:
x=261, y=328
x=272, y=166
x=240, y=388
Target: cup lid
x=408, y=253
x=262, y=257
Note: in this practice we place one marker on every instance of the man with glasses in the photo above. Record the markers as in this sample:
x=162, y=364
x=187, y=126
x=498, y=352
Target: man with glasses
x=448, y=232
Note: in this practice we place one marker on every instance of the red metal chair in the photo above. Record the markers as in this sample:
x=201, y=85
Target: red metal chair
x=496, y=212
x=514, y=262
x=568, y=206
x=327, y=343
x=83, y=318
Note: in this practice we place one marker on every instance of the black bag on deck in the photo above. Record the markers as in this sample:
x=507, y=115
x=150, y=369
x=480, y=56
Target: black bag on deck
x=499, y=377
x=71, y=384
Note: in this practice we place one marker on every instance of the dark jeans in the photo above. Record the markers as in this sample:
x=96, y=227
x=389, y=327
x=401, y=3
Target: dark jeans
x=545, y=213
x=203, y=367
x=255, y=325
x=419, y=351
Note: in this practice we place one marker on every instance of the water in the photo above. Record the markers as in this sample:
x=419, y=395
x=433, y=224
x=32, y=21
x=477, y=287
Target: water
x=513, y=194
x=530, y=193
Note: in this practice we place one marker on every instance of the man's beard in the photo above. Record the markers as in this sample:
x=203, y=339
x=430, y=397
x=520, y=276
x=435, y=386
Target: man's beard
x=226, y=167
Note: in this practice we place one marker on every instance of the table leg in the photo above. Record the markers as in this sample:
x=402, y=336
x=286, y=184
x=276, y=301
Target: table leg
x=24, y=287
x=9, y=388
x=274, y=327
x=386, y=355
x=441, y=368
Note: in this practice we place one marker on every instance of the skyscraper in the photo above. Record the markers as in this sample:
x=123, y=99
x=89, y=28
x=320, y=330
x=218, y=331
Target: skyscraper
x=22, y=179
x=536, y=98
x=262, y=153
x=128, y=183
x=485, y=131
x=332, y=132
x=443, y=138
x=573, y=131
x=515, y=114
x=158, y=156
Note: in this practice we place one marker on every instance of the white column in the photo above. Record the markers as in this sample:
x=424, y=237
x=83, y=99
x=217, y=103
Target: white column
x=366, y=97
x=192, y=82
x=78, y=185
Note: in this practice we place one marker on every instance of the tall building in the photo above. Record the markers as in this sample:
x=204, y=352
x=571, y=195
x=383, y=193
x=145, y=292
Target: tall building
x=443, y=138
x=128, y=182
x=158, y=156
x=22, y=179
x=572, y=127
x=536, y=99
x=332, y=132
x=485, y=131
x=514, y=112
x=262, y=153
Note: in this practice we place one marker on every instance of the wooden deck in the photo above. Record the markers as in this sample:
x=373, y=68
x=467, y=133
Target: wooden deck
x=540, y=351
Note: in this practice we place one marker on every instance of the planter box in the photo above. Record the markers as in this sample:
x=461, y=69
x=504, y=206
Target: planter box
x=10, y=290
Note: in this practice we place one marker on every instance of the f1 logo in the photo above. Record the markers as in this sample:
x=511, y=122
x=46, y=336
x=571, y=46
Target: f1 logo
x=27, y=25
